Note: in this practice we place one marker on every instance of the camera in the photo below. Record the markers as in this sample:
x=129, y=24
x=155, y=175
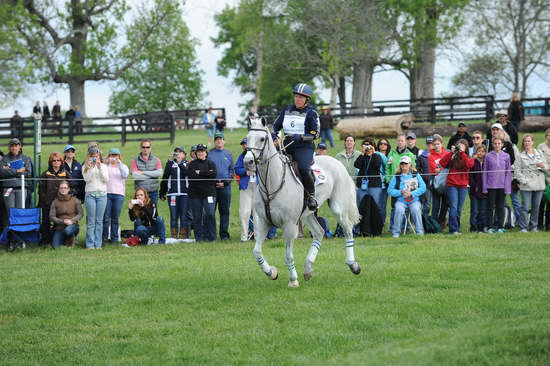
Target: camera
x=93, y=160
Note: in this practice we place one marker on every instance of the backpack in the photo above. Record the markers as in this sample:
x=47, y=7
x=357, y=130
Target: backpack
x=431, y=226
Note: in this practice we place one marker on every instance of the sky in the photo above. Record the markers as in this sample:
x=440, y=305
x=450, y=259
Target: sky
x=199, y=16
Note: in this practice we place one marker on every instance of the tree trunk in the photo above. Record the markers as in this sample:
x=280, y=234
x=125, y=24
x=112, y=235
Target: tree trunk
x=427, y=72
x=361, y=96
x=76, y=90
x=334, y=90
x=342, y=94
x=259, y=70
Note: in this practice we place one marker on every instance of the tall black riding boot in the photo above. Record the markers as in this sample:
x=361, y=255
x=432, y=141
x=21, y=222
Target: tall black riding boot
x=309, y=187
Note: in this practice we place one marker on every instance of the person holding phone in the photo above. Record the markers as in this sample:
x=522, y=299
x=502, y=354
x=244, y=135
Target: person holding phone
x=143, y=212
x=96, y=176
x=116, y=189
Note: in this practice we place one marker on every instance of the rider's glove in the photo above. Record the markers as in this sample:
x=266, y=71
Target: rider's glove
x=296, y=138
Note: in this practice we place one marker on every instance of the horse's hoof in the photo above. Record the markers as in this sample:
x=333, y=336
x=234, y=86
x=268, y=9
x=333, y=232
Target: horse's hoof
x=355, y=268
x=274, y=273
x=293, y=284
x=308, y=275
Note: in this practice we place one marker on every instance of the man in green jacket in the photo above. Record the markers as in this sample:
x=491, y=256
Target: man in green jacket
x=395, y=156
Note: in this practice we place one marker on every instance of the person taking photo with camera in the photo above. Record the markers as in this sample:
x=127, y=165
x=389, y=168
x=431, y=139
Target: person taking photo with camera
x=96, y=176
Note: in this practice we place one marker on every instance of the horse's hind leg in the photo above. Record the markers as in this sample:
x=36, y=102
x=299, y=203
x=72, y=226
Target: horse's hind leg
x=260, y=233
x=290, y=233
x=347, y=227
x=318, y=233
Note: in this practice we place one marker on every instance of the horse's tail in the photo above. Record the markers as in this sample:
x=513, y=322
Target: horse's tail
x=344, y=193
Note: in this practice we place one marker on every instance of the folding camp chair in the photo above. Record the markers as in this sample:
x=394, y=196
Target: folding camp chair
x=408, y=222
x=23, y=228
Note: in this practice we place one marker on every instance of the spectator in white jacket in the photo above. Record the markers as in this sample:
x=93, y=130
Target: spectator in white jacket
x=529, y=170
x=96, y=176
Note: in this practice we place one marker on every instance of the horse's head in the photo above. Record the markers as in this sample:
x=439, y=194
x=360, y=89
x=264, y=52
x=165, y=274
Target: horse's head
x=258, y=143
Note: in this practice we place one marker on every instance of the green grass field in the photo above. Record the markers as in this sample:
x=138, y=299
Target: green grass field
x=441, y=299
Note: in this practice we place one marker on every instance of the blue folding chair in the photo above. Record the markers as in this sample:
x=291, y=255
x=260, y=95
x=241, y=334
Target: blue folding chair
x=23, y=228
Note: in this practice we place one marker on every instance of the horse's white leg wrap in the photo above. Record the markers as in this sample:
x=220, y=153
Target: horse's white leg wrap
x=289, y=260
x=266, y=268
x=350, y=256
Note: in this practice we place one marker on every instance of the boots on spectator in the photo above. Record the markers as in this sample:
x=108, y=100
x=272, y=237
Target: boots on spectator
x=173, y=233
x=184, y=233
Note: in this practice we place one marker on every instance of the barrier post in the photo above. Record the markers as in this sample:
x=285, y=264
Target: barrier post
x=37, y=156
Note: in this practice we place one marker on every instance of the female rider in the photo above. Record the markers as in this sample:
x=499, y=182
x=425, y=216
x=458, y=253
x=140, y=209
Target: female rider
x=300, y=124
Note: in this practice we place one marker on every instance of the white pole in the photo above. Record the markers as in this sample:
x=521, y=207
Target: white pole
x=23, y=190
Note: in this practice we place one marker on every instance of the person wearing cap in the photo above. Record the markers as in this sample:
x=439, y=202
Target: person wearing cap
x=300, y=124
x=174, y=185
x=96, y=175
x=461, y=133
x=78, y=186
x=247, y=186
x=406, y=188
x=202, y=195
x=423, y=167
x=504, y=124
x=327, y=124
x=193, y=152
x=146, y=169
x=497, y=130
x=223, y=159
x=13, y=165
x=392, y=165
x=439, y=200
x=411, y=143
x=321, y=149
x=459, y=164
x=48, y=187
x=116, y=191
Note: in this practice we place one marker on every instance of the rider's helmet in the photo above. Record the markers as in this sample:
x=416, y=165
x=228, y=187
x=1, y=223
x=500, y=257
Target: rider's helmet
x=303, y=89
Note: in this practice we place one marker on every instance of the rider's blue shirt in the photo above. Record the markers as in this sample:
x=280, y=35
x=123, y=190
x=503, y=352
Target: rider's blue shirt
x=294, y=121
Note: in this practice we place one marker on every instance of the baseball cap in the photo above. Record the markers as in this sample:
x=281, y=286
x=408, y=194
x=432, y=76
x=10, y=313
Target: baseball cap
x=410, y=135
x=179, y=149
x=114, y=151
x=497, y=125
x=202, y=147
x=193, y=148
x=405, y=159
x=93, y=150
x=429, y=139
x=462, y=124
x=218, y=136
x=244, y=141
x=322, y=146
x=14, y=141
x=69, y=147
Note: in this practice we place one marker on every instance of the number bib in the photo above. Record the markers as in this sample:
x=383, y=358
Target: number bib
x=294, y=124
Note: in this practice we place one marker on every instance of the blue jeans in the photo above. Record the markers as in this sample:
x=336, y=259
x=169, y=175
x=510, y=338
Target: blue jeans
x=377, y=195
x=95, y=209
x=59, y=236
x=326, y=134
x=178, y=212
x=223, y=201
x=416, y=213
x=204, y=218
x=110, y=219
x=144, y=232
x=478, y=214
x=531, y=202
x=455, y=200
x=519, y=212
x=154, y=196
x=384, y=202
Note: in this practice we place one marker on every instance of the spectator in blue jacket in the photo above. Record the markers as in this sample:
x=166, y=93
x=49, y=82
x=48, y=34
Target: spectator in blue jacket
x=223, y=160
x=74, y=168
x=174, y=186
x=407, y=188
x=247, y=185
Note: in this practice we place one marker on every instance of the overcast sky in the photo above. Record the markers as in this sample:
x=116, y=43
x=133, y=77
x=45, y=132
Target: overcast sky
x=199, y=16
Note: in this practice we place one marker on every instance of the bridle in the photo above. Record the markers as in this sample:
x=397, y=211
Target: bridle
x=266, y=196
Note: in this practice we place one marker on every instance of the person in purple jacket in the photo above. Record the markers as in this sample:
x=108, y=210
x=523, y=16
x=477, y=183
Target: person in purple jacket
x=497, y=183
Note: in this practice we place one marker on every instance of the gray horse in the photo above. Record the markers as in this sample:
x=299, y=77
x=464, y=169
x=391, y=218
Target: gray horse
x=279, y=201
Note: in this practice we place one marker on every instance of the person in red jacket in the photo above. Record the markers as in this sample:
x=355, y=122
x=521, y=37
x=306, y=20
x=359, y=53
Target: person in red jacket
x=439, y=201
x=459, y=164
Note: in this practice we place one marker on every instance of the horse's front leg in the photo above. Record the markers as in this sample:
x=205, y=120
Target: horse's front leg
x=290, y=234
x=318, y=233
x=260, y=233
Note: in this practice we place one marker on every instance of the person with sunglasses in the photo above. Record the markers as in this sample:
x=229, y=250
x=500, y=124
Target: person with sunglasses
x=146, y=170
x=461, y=134
x=48, y=188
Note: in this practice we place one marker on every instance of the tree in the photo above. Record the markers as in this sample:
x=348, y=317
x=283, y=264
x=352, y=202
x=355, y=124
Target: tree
x=166, y=76
x=422, y=26
x=516, y=35
x=72, y=42
x=481, y=75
